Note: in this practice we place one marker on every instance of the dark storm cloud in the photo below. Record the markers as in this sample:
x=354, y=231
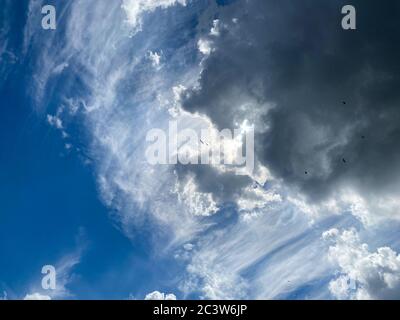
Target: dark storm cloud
x=335, y=93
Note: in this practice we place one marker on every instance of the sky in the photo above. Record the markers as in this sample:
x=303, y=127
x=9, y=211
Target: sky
x=317, y=218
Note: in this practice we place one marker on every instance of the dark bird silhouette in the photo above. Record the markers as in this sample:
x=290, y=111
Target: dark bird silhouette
x=257, y=185
x=344, y=102
x=344, y=160
x=305, y=172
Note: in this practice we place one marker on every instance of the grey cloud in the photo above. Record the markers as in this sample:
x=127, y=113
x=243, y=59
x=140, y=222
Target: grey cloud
x=336, y=104
x=224, y=187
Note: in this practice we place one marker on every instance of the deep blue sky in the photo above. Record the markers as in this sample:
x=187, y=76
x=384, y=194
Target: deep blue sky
x=48, y=195
x=50, y=204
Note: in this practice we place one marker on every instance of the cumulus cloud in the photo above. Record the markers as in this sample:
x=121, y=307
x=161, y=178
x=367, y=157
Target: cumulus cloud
x=363, y=274
x=205, y=46
x=157, y=295
x=325, y=96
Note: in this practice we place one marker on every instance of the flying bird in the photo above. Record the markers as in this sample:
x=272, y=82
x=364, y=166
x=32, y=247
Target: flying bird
x=256, y=184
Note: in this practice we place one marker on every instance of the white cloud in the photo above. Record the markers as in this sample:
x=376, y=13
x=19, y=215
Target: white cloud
x=60, y=68
x=205, y=46
x=265, y=257
x=188, y=247
x=155, y=59
x=255, y=197
x=198, y=203
x=55, y=121
x=330, y=234
x=37, y=296
x=371, y=209
x=157, y=295
x=364, y=274
x=64, y=269
x=215, y=30
x=134, y=9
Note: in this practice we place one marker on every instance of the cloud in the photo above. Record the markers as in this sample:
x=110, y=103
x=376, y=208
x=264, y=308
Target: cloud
x=235, y=223
x=60, y=68
x=37, y=296
x=205, y=47
x=363, y=274
x=5, y=296
x=155, y=59
x=286, y=68
x=188, y=246
x=215, y=30
x=64, y=275
x=197, y=203
x=156, y=295
x=322, y=99
x=134, y=9
x=117, y=115
x=266, y=256
x=64, y=269
x=55, y=121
